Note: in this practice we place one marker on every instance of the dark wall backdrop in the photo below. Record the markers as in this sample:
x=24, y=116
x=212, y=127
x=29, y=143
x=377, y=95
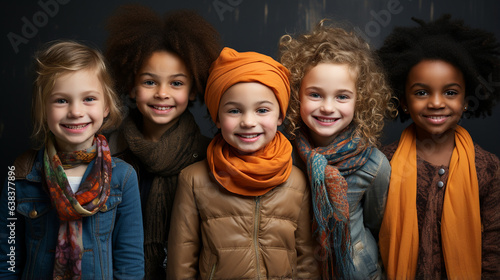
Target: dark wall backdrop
x=245, y=25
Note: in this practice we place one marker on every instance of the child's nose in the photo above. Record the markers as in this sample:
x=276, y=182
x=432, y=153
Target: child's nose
x=248, y=120
x=327, y=107
x=75, y=111
x=436, y=101
x=163, y=92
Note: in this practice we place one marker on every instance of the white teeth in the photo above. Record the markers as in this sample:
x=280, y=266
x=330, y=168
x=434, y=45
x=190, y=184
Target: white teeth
x=325, y=120
x=249, y=136
x=162, y=108
x=75, y=126
x=436, y=117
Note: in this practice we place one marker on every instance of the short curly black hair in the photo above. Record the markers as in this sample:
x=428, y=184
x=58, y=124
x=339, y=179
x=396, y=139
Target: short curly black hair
x=475, y=52
x=135, y=32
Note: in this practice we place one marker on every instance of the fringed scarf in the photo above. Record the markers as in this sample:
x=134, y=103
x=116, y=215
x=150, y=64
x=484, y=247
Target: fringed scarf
x=326, y=168
x=180, y=146
x=250, y=174
x=460, y=222
x=72, y=207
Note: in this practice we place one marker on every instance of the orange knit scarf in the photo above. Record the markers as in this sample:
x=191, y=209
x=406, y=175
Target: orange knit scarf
x=460, y=222
x=250, y=174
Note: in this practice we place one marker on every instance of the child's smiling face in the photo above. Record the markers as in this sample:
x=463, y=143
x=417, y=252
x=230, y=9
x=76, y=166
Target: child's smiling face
x=76, y=109
x=162, y=90
x=249, y=116
x=327, y=101
x=435, y=97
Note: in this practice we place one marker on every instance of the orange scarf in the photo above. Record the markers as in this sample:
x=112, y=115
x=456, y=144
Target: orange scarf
x=250, y=174
x=460, y=222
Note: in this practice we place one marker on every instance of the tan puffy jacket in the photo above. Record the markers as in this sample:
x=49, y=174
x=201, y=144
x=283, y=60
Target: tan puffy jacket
x=216, y=234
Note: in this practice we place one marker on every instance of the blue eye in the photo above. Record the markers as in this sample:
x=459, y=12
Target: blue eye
x=89, y=99
x=314, y=95
x=343, y=97
x=233, y=111
x=262, y=110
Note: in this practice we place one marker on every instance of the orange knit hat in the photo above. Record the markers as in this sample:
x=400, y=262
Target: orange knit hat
x=232, y=67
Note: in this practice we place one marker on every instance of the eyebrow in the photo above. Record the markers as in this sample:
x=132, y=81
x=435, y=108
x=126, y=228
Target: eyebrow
x=321, y=89
x=235, y=103
x=63, y=94
x=427, y=86
x=156, y=76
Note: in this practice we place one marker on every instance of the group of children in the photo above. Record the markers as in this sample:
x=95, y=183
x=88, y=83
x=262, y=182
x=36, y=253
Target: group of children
x=315, y=200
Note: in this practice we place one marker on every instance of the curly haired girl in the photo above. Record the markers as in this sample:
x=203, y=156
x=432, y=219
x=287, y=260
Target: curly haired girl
x=161, y=64
x=339, y=100
x=443, y=214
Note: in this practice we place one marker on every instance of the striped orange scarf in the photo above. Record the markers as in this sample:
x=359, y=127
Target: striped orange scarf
x=460, y=222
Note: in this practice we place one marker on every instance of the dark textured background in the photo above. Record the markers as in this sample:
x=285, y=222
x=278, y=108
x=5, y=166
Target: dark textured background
x=245, y=25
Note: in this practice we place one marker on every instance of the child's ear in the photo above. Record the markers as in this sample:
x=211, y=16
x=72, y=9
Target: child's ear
x=192, y=95
x=132, y=94
x=280, y=120
x=106, y=112
x=404, y=106
x=217, y=123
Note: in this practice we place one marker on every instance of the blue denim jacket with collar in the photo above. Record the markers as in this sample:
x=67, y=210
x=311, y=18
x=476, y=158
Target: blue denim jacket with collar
x=367, y=194
x=112, y=238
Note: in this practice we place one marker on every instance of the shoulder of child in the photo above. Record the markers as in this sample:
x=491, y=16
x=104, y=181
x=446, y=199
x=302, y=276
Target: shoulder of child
x=24, y=163
x=486, y=160
x=377, y=160
x=297, y=179
x=198, y=171
x=390, y=149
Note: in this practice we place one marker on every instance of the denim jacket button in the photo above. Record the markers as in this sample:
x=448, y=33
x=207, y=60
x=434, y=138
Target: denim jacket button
x=33, y=214
x=441, y=171
x=104, y=207
x=440, y=184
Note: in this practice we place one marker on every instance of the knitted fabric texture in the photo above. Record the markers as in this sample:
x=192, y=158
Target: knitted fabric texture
x=326, y=168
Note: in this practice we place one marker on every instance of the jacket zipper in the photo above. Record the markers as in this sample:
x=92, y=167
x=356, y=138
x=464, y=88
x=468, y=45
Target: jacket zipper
x=255, y=233
x=212, y=272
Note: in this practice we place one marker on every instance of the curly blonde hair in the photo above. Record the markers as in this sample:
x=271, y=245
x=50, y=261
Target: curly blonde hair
x=328, y=44
x=58, y=58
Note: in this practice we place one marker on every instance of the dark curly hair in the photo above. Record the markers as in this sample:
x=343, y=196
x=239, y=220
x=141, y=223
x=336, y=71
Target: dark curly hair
x=474, y=51
x=135, y=32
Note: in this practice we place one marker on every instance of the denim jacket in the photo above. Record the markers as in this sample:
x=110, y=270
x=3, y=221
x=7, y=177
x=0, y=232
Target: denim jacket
x=112, y=238
x=367, y=194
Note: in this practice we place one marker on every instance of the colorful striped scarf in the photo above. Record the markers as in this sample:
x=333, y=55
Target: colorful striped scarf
x=326, y=168
x=72, y=207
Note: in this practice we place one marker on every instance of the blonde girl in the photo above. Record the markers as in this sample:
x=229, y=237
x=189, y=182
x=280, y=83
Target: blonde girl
x=75, y=205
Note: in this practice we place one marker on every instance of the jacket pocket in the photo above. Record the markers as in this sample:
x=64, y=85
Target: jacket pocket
x=365, y=260
x=105, y=218
x=35, y=213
